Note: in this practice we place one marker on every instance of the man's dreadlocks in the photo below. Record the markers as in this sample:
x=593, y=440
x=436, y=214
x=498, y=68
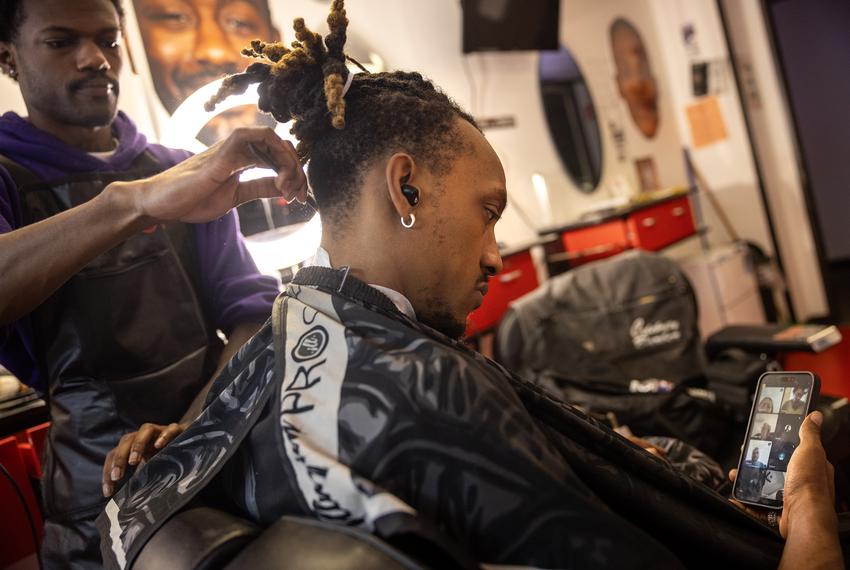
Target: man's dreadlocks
x=12, y=16
x=342, y=136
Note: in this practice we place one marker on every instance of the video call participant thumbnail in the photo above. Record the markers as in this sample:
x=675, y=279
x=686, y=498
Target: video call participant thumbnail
x=781, y=454
x=794, y=401
x=788, y=427
x=769, y=399
x=753, y=469
x=764, y=426
x=774, y=485
x=751, y=484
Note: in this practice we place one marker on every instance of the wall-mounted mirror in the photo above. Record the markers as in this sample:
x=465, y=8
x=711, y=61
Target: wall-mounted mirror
x=571, y=117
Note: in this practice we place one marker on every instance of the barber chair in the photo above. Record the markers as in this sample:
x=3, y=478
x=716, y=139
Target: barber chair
x=620, y=338
x=204, y=538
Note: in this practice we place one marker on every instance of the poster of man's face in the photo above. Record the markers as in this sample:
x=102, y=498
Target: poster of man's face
x=635, y=82
x=190, y=43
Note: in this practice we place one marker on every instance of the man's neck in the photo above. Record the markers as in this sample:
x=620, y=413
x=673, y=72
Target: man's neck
x=87, y=139
x=401, y=302
x=363, y=264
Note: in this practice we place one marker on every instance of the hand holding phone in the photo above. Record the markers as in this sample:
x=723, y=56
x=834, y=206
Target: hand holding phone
x=782, y=401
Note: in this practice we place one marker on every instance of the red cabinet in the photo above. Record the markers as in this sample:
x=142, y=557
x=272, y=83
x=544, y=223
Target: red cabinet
x=650, y=226
x=595, y=242
x=658, y=226
x=518, y=277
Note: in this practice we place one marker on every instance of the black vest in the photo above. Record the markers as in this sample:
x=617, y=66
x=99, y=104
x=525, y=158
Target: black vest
x=126, y=340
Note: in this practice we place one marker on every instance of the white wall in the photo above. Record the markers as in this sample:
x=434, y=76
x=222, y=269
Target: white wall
x=585, y=30
x=727, y=166
x=775, y=147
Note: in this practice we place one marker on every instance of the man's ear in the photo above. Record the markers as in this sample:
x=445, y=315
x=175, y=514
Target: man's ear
x=400, y=170
x=7, y=59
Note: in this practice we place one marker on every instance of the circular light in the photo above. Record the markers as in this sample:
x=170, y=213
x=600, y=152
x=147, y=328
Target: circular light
x=190, y=117
x=273, y=250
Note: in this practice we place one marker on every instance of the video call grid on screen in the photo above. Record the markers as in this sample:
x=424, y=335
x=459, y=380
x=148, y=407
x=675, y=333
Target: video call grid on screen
x=774, y=434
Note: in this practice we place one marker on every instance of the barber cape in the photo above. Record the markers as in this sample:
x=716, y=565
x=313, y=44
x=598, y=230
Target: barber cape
x=343, y=409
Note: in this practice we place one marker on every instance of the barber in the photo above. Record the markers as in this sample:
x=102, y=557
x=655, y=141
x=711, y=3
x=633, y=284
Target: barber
x=111, y=293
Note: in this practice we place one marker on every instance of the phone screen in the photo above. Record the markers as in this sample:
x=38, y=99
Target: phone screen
x=782, y=401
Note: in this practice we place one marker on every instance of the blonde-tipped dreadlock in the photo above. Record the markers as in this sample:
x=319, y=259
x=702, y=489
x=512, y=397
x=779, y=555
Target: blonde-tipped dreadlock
x=308, y=51
x=381, y=112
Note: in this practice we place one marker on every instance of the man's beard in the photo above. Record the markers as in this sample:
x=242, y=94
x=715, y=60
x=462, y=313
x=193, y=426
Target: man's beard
x=445, y=323
x=92, y=119
x=96, y=115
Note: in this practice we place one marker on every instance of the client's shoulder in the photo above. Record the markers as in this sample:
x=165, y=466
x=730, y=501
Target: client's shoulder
x=424, y=365
x=252, y=357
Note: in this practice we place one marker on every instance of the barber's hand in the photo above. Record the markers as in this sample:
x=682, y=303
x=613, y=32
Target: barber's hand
x=135, y=448
x=206, y=186
x=809, y=493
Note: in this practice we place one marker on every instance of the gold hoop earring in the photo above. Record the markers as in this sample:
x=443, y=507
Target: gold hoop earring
x=408, y=225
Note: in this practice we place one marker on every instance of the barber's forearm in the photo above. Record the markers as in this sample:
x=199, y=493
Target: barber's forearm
x=37, y=259
x=238, y=337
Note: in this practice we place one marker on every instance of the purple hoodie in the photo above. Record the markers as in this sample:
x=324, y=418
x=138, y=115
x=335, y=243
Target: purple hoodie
x=234, y=289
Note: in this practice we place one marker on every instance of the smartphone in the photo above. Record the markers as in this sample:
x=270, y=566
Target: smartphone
x=782, y=401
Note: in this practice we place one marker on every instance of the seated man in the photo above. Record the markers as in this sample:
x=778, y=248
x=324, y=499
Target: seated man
x=356, y=404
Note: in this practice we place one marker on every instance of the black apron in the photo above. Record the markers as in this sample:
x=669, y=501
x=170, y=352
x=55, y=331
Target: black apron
x=124, y=341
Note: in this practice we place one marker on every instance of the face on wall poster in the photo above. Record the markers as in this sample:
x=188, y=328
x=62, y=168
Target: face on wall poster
x=189, y=43
x=635, y=80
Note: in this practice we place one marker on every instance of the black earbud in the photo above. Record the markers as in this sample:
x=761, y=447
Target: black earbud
x=411, y=193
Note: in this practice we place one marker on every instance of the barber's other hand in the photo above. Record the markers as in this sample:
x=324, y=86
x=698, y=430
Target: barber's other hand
x=206, y=186
x=135, y=448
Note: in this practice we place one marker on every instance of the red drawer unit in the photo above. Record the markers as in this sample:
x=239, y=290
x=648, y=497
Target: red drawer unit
x=660, y=225
x=518, y=277
x=595, y=241
x=649, y=225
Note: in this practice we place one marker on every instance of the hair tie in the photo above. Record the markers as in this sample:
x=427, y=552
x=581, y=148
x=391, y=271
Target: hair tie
x=347, y=83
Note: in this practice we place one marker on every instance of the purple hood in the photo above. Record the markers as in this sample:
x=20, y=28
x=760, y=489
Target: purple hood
x=48, y=157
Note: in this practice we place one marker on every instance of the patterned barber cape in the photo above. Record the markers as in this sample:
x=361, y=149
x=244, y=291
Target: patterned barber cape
x=344, y=410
